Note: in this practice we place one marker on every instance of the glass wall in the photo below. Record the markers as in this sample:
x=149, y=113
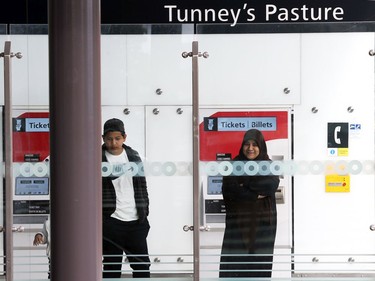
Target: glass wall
x=256, y=144
x=310, y=93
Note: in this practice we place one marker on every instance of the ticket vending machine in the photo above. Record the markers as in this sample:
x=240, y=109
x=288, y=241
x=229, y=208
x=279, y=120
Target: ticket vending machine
x=31, y=192
x=221, y=134
x=31, y=174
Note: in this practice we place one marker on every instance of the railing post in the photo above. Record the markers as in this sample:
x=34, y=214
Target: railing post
x=8, y=161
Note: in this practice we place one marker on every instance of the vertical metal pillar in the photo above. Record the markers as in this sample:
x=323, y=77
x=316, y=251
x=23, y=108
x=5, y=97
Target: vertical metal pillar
x=195, y=54
x=75, y=129
x=8, y=161
x=196, y=178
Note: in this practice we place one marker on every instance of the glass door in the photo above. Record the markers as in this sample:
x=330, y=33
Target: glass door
x=325, y=199
x=147, y=85
x=26, y=146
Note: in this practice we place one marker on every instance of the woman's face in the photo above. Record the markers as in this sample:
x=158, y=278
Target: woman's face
x=250, y=149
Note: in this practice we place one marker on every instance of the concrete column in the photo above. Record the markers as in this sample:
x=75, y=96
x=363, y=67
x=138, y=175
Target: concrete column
x=75, y=127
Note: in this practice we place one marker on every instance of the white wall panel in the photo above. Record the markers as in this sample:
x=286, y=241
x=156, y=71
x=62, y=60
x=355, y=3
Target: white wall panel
x=38, y=69
x=250, y=69
x=169, y=138
x=30, y=84
x=155, y=62
x=337, y=73
x=20, y=70
x=113, y=69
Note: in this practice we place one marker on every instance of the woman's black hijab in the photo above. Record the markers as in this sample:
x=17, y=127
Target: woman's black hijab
x=257, y=136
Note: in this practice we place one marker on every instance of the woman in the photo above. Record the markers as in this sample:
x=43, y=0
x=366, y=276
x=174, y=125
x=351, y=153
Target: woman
x=250, y=231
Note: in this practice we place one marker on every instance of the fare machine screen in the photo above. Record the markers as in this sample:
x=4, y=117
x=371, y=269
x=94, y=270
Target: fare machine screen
x=213, y=202
x=31, y=200
x=214, y=185
x=32, y=186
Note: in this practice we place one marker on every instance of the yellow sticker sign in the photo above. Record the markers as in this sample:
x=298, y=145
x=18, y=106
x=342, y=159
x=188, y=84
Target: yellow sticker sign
x=337, y=183
x=342, y=151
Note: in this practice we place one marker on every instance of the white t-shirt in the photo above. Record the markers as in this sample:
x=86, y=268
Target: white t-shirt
x=125, y=202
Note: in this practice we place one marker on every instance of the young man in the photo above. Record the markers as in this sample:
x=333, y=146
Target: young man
x=125, y=207
x=43, y=237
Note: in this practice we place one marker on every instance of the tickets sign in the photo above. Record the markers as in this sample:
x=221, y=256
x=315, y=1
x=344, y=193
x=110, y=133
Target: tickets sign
x=31, y=137
x=222, y=133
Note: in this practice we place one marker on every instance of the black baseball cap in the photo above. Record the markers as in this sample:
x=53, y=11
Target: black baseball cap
x=114, y=125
